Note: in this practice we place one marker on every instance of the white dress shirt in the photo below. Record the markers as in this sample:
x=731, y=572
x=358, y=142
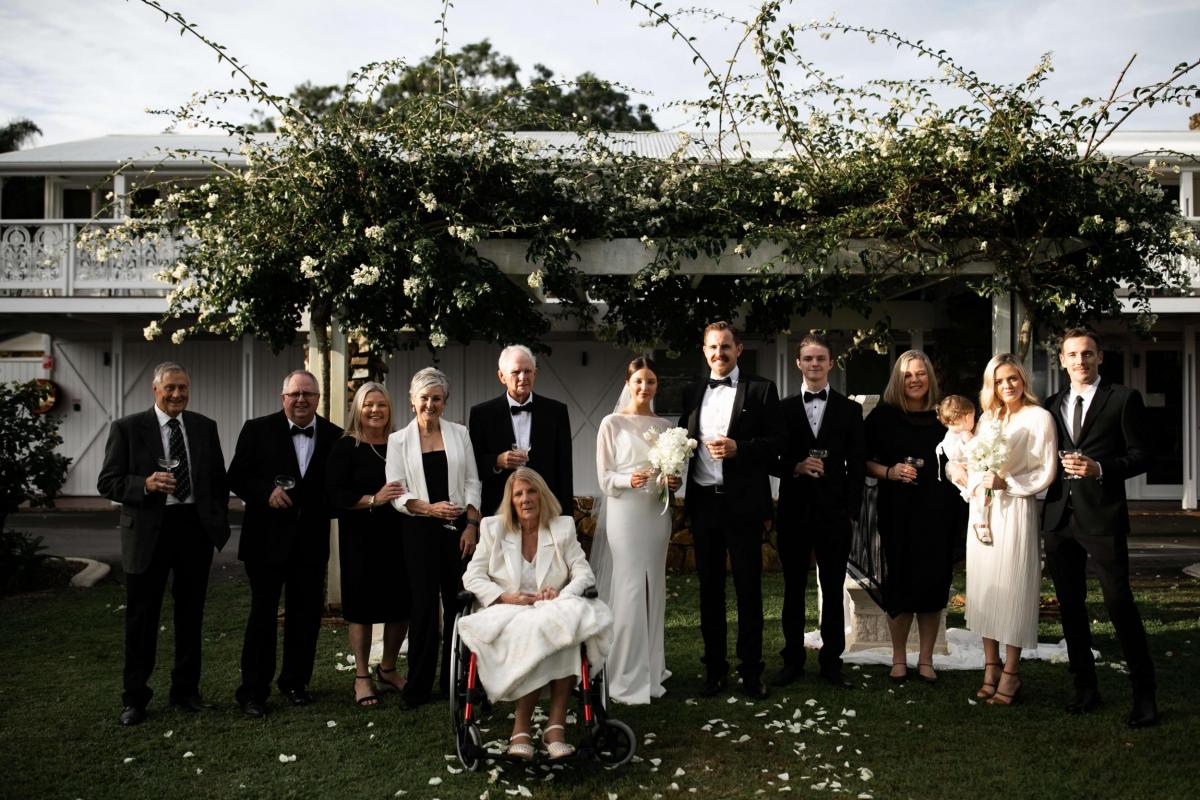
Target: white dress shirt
x=716, y=409
x=165, y=432
x=522, y=423
x=815, y=408
x=303, y=444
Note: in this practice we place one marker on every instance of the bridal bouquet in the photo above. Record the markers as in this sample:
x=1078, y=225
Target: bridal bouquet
x=986, y=452
x=669, y=454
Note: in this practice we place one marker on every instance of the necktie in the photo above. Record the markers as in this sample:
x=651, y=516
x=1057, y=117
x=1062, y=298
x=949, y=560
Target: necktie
x=298, y=431
x=715, y=382
x=821, y=395
x=183, y=479
x=527, y=409
x=1077, y=420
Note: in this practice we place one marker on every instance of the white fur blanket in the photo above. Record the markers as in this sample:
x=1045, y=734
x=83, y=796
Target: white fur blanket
x=510, y=641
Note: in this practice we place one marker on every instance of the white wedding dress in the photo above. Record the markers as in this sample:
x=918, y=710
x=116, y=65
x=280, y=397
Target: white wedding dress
x=629, y=555
x=1004, y=579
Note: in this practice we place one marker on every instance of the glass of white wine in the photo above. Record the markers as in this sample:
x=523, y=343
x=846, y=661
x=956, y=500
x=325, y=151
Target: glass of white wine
x=818, y=452
x=169, y=463
x=285, y=482
x=915, y=462
x=1070, y=452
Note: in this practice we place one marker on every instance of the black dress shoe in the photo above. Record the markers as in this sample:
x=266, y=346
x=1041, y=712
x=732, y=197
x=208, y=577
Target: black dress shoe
x=836, y=679
x=789, y=674
x=713, y=685
x=1144, y=712
x=253, y=708
x=132, y=715
x=754, y=688
x=297, y=696
x=1087, y=699
x=192, y=703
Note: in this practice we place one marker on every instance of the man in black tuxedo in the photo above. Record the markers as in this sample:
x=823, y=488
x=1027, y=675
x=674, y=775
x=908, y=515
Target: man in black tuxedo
x=519, y=429
x=1085, y=514
x=171, y=520
x=736, y=418
x=285, y=539
x=821, y=475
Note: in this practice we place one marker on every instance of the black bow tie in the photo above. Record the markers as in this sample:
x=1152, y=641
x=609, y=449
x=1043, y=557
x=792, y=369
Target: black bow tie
x=298, y=431
x=715, y=382
x=821, y=395
x=527, y=408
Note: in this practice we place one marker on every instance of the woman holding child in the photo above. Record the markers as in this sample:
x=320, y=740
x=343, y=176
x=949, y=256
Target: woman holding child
x=1003, y=567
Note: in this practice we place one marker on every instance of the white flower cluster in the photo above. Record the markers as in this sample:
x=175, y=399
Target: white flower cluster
x=987, y=451
x=428, y=200
x=467, y=234
x=308, y=267
x=438, y=339
x=412, y=287
x=534, y=281
x=152, y=331
x=670, y=450
x=365, y=275
x=1010, y=195
x=374, y=233
x=213, y=199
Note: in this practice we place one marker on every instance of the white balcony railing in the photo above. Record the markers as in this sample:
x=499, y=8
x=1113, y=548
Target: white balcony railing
x=43, y=257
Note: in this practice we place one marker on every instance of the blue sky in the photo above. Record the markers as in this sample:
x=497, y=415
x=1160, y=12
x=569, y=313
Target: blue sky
x=82, y=68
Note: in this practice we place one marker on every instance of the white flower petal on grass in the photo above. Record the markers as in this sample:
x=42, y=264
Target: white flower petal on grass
x=674, y=787
x=169, y=734
x=189, y=754
x=865, y=773
x=679, y=773
x=453, y=770
x=656, y=761
x=971, y=702
x=199, y=770
x=783, y=776
x=612, y=796
x=849, y=712
x=731, y=700
x=284, y=759
x=810, y=702
x=331, y=724
x=524, y=791
x=435, y=781
x=128, y=760
x=722, y=733
x=370, y=724
x=400, y=792
x=745, y=737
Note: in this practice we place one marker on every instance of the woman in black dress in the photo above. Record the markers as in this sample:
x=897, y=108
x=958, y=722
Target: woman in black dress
x=916, y=511
x=369, y=543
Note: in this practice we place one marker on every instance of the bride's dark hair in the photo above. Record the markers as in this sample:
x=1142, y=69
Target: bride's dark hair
x=641, y=362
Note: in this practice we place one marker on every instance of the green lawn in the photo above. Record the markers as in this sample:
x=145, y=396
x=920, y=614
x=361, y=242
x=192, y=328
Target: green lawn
x=59, y=699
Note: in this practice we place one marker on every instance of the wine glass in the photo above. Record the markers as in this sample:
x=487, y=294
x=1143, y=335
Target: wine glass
x=521, y=451
x=916, y=462
x=819, y=452
x=646, y=469
x=285, y=482
x=451, y=524
x=1070, y=452
x=169, y=463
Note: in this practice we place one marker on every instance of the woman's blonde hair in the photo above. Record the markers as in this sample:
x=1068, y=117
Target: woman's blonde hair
x=354, y=424
x=989, y=398
x=548, y=507
x=893, y=395
x=953, y=408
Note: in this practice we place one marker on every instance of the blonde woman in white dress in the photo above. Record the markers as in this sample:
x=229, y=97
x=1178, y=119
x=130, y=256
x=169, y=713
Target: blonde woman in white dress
x=629, y=553
x=1004, y=577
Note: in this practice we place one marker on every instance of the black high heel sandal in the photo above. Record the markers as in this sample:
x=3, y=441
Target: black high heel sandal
x=901, y=678
x=380, y=672
x=931, y=681
x=367, y=701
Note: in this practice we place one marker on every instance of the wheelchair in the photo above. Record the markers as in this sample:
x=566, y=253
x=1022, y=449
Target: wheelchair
x=606, y=740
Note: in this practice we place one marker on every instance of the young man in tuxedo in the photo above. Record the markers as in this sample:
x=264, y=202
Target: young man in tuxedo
x=736, y=417
x=821, y=475
x=536, y=425
x=285, y=539
x=1085, y=514
x=172, y=518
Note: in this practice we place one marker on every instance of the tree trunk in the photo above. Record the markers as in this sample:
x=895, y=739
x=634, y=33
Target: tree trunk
x=1025, y=334
x=319, y=316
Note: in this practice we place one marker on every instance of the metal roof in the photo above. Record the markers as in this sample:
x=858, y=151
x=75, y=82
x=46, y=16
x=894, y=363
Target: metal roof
x=105, y=153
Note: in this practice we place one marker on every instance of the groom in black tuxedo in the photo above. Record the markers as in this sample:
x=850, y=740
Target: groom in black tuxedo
x=538, y=424
x=171, y=521
x=819, y=497
x=285, y=540
x=736, y=418
x=1085, y=515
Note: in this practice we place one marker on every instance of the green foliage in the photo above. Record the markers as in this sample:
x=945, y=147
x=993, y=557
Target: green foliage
x=21, y=560
x=30, y=470
x=16, y=133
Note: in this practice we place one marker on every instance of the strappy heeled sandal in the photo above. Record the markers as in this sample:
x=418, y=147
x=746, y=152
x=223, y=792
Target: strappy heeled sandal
x=989, y=687
x=932, y=681
x=557, y=749
x=380, y=672
x=902, y=677
x=521, y=750
x=366, y=701
x=1006, y=698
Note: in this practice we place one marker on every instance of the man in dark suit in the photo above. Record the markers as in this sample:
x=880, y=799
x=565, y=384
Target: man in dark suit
x=171, y=520
x=821, y=475
x=520, y=429
x=736, y=418
x=1085, y=515
x=285, y=539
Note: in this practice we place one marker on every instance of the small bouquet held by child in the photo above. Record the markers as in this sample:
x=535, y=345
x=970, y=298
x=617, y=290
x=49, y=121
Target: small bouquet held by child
x=669, y=454
x=986, y=452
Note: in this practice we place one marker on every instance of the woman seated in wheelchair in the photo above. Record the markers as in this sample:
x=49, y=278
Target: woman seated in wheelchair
x=528, y=576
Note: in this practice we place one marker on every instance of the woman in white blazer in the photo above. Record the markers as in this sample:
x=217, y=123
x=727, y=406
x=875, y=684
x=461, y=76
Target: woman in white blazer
x=529, y=574
x=434, y=460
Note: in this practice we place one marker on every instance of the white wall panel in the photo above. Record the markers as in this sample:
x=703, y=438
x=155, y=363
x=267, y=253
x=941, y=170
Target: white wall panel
x=86, y=381
x=21, y=370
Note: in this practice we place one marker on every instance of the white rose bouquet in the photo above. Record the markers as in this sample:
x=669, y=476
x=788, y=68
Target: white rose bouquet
x=986, y=452
x=669, y=454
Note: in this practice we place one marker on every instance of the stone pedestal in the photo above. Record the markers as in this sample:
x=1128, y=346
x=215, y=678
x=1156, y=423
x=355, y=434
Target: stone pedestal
x=868, y=623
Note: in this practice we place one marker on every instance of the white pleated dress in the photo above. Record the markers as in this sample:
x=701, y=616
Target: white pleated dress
x=1004, y=579
x=629, y=557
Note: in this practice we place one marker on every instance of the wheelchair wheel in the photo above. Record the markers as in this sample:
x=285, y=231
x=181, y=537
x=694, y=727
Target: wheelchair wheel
x=468, y=743
x=458, y=680
x=615, y=742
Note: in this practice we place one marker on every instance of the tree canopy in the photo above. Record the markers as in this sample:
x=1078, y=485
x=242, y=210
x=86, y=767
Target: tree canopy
x=15, y=134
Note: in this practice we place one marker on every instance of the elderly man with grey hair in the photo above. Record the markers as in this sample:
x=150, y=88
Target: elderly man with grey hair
x=278, y=470
x=521, y=429
x=165, y=467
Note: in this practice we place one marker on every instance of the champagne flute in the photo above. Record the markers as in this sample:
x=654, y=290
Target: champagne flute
x=915, y=462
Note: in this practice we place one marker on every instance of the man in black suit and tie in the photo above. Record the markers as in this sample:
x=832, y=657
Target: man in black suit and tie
x=172, y=517
x=1103, y=428
x=736, y=418
x=519, y=429
x=278, y=470
x=821, y=475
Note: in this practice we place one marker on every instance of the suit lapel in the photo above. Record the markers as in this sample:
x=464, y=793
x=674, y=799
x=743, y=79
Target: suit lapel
x=694, y=417
x=292, y=463
x=1099, y=400
x=545, y=555
x=828, y=418
x=739, y=397
x=512, y=557
x=151, y=435
x=1054, y=404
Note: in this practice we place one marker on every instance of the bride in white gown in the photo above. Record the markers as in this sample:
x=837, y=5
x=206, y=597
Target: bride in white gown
x=629, y=552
